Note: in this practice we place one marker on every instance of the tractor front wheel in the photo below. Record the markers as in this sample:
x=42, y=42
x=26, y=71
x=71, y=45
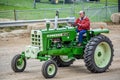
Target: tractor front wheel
x=98, y=54
x=18, y=63
x=49, y=69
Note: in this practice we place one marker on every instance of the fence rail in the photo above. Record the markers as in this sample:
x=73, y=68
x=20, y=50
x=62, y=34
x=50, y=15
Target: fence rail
x=26, y=22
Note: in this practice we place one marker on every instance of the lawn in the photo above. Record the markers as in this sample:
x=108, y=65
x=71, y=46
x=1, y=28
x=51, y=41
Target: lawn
x=24, y=9
x=43, y=4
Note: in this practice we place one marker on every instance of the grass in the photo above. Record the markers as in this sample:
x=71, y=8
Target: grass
x=43, y=4
x=39, y=13
x=7, y=7
x=28, y=4
x=110, y=1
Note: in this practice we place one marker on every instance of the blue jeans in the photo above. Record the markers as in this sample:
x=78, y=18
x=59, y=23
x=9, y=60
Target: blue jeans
x=80, y=37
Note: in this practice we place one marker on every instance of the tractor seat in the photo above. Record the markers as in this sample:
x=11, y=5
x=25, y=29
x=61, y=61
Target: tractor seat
x=84, y=35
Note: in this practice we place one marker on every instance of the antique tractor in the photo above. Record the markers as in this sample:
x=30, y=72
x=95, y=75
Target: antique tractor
x=58, y=47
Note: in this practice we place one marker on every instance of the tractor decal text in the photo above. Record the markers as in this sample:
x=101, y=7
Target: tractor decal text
x=58, y=35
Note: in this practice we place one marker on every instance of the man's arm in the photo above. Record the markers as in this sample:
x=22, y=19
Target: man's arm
x=86, y=25
x=74, y=24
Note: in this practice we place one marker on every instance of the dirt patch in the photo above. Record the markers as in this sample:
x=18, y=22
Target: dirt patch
x=12, y=46
x=9, y=29
x=95, y=25
x=15, y=33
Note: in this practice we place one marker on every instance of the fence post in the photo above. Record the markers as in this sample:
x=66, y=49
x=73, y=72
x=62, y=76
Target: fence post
x=72, y=12
x=118, y=5
x=34, y=4
x=73, y=9
x=106, y=5
x=15, y=17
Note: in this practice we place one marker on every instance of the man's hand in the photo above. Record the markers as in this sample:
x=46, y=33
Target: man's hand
x=73, y=24
x=78, y=24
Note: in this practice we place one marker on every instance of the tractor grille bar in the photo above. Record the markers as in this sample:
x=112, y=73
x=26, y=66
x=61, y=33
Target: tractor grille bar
x=36, y=39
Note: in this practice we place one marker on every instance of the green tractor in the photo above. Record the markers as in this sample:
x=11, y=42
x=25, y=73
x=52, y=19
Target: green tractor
x=58, y=47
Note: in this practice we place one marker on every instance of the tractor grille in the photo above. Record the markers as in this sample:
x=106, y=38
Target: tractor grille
x=36, y=38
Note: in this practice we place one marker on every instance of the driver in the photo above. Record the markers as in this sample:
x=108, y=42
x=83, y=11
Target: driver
x=83, y=24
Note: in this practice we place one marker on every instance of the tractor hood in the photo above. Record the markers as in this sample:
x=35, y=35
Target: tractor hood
x=99, y=31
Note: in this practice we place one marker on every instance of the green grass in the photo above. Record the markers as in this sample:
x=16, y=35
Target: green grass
x=6, y=7
x=45, y=12
x=18, y=4
x=110, y=1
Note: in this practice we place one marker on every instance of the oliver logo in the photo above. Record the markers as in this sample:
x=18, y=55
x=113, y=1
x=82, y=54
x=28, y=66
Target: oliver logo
x=58, y=35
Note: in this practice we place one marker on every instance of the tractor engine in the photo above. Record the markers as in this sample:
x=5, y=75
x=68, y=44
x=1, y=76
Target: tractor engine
x=55, y=39
x=56, y=43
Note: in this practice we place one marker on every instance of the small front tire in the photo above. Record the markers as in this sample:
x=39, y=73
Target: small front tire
x=18, y=63
x=49, y=69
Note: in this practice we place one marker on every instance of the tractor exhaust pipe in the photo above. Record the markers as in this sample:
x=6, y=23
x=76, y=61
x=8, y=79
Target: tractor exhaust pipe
x=56, y=19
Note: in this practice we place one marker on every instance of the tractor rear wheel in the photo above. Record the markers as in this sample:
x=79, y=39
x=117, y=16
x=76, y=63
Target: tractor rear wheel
x=98, y=54
x=62, y=61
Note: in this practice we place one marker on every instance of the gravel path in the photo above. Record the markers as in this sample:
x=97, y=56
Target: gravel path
x=77, y=71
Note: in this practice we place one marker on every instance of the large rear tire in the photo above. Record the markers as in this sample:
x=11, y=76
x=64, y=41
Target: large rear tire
x=63, y=61
x=98, y=54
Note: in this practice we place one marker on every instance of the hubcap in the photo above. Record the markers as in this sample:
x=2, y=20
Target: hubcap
x=102, y=54
x=20, y=63
x=65, y=58
x=51, y=69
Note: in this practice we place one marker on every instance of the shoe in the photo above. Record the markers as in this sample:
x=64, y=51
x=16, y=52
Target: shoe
x=79, y=44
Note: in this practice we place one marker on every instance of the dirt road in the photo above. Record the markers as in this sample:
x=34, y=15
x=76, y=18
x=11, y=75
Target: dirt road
x=77, y=71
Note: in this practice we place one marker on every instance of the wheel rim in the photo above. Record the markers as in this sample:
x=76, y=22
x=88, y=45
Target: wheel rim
x=20, y=63
x=51, y=69
x=65, y=58
x=102, y=54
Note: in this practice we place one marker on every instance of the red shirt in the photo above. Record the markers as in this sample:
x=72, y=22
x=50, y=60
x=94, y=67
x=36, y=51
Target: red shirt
x=84, y=23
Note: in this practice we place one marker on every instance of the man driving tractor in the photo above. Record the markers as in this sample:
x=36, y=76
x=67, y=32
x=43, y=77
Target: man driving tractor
x=58, y=48
x=83, y=24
